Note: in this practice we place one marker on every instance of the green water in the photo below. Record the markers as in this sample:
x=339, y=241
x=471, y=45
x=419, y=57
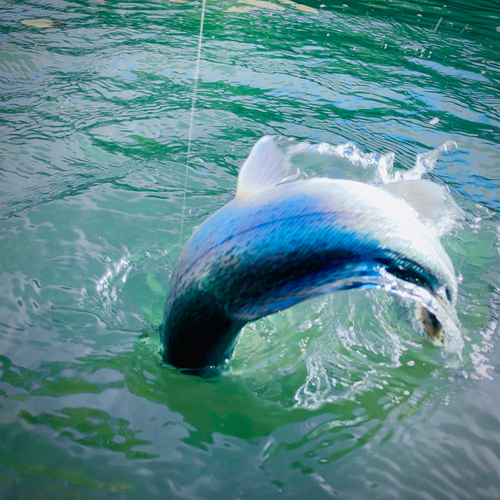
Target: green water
x=338, y=397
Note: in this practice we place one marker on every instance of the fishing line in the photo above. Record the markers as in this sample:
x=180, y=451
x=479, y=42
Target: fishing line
x=193, y=102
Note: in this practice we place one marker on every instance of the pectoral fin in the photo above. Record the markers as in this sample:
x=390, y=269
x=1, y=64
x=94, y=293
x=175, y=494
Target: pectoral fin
x=426, y=197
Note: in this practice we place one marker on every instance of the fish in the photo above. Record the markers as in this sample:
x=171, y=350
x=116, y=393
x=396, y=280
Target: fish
x=281, y=241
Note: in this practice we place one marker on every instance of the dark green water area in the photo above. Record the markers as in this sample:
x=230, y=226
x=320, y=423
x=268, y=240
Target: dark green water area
x=338, y=397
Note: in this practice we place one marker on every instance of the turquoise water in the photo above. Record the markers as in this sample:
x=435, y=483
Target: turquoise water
x=338, y=397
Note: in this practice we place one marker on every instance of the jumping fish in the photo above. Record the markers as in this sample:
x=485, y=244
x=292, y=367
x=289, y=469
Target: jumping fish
x=280, y=242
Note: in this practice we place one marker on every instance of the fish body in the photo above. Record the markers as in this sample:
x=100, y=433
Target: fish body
x=275, y=245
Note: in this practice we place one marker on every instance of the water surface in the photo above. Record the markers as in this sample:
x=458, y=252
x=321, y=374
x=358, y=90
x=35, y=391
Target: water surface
x=338, y=397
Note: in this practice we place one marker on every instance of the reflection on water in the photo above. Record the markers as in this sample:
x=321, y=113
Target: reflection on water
x=340, y=396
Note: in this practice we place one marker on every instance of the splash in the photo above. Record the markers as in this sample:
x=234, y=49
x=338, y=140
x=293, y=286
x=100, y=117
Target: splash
x=344, y=372
x=425, y=162
x=381, y=164
x=446, y=314
x=378, y=169
x=106, y=284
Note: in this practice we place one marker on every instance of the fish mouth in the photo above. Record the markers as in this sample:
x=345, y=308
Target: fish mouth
x=431, y=324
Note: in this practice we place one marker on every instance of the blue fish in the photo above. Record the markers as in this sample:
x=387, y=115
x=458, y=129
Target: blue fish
x=278, y=243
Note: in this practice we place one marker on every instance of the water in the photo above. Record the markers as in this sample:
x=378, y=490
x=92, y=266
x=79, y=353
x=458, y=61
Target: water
x=338, y=397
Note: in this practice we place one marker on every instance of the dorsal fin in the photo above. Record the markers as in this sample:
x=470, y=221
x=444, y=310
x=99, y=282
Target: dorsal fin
x=265, y=167
x=426, y=197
